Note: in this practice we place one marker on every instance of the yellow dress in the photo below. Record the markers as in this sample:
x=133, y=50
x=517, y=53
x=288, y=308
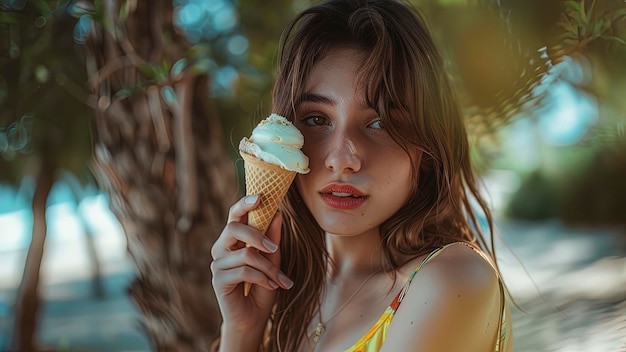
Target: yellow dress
x=373, y=340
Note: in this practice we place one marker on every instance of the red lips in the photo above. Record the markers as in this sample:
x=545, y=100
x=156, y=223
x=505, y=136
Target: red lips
x=342, y=196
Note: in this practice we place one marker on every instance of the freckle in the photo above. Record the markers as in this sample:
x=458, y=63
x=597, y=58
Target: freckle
x=459, y=296
x=411, y=322
x=362, y=214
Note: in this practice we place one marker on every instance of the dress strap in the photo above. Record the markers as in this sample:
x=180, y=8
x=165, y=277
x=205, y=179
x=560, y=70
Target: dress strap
x=428, y=258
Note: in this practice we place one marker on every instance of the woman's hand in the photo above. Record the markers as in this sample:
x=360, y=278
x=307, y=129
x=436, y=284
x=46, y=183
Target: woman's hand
x=235, y=263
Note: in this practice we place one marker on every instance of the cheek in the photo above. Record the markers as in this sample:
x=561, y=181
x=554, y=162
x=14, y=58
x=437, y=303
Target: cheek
x=314, y=150
x=397, y=177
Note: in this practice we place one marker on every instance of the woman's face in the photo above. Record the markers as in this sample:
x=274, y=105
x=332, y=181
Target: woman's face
x=359, y=176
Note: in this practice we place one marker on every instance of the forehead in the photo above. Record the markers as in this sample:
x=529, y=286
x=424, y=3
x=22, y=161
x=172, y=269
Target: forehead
x=338, y=69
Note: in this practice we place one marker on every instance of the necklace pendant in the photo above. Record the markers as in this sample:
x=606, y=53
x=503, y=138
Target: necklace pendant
x=319, y=330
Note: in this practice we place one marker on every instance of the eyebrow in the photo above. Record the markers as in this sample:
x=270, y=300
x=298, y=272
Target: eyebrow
x=314, y=98
x=308, y=97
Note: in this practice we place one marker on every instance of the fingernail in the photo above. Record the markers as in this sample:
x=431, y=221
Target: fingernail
x=272, y=284
x=284, y=280
x=249, y=200
x=267, y=243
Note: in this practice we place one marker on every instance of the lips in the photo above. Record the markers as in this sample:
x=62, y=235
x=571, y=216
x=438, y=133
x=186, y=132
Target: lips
x=342, y=196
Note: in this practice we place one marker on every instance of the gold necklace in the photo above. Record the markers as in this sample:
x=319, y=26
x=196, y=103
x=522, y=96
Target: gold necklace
x=321, y=325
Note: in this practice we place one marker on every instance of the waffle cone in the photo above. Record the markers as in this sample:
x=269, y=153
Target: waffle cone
x=271, y=183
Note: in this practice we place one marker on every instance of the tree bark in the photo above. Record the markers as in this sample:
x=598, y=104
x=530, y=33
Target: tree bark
x=28, y=301
x=160, y=156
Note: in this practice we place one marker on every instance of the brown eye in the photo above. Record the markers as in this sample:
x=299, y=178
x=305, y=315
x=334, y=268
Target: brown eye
x=316, y=120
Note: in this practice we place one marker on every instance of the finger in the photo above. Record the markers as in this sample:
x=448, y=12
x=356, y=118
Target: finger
x=239, y=211
x=230, y=280
x=235, y=234
x=252, y=258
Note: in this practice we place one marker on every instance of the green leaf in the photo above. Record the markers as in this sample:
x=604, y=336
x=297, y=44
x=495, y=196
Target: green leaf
x=613, y=39
x=567, y=25
x=574, y=13
x=583, y=14
x=597, y=28
x=573, y=5
x=147, y=69
x=590, y=12
x=165, y=65
x=155, y=72
x=124, y=10
x=569, y=36
x=98, y=12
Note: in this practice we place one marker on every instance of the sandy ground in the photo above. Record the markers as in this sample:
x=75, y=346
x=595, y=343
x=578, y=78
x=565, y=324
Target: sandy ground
x=570, y=283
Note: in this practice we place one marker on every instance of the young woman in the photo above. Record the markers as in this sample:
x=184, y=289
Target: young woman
x=377, y=248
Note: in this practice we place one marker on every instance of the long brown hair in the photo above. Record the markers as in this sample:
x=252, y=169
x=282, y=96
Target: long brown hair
x=406, y=84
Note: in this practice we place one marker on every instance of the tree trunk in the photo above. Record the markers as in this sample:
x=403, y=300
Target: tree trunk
x=27, y=301
x=160, y=156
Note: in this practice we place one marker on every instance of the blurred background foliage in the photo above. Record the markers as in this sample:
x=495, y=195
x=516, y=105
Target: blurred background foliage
x=43, y=100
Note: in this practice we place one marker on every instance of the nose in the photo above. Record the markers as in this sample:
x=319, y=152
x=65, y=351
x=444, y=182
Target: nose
x=343, y=155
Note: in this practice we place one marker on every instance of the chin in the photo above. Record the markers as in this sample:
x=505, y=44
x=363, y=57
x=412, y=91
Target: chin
x=344, y=226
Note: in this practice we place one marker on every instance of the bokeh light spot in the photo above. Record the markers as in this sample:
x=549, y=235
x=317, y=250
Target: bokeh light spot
x=188, y=15
x=225, y=19
x=238, y=45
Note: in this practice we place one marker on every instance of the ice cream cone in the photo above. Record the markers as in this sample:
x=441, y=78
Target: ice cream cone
x=272, y=157
x=271, y=183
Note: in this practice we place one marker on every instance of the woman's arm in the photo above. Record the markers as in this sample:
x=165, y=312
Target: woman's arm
x=230, y=341
x=453, y=304
x=244, y=318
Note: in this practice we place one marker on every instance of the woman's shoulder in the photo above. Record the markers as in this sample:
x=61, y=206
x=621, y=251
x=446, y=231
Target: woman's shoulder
x=460, y=266
x=456, y=291
x=454, y=264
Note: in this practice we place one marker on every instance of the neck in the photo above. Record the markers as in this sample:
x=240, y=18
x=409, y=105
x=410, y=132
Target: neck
x=354, y=255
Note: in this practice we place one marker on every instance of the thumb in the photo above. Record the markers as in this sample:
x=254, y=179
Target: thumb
x=274, y=234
